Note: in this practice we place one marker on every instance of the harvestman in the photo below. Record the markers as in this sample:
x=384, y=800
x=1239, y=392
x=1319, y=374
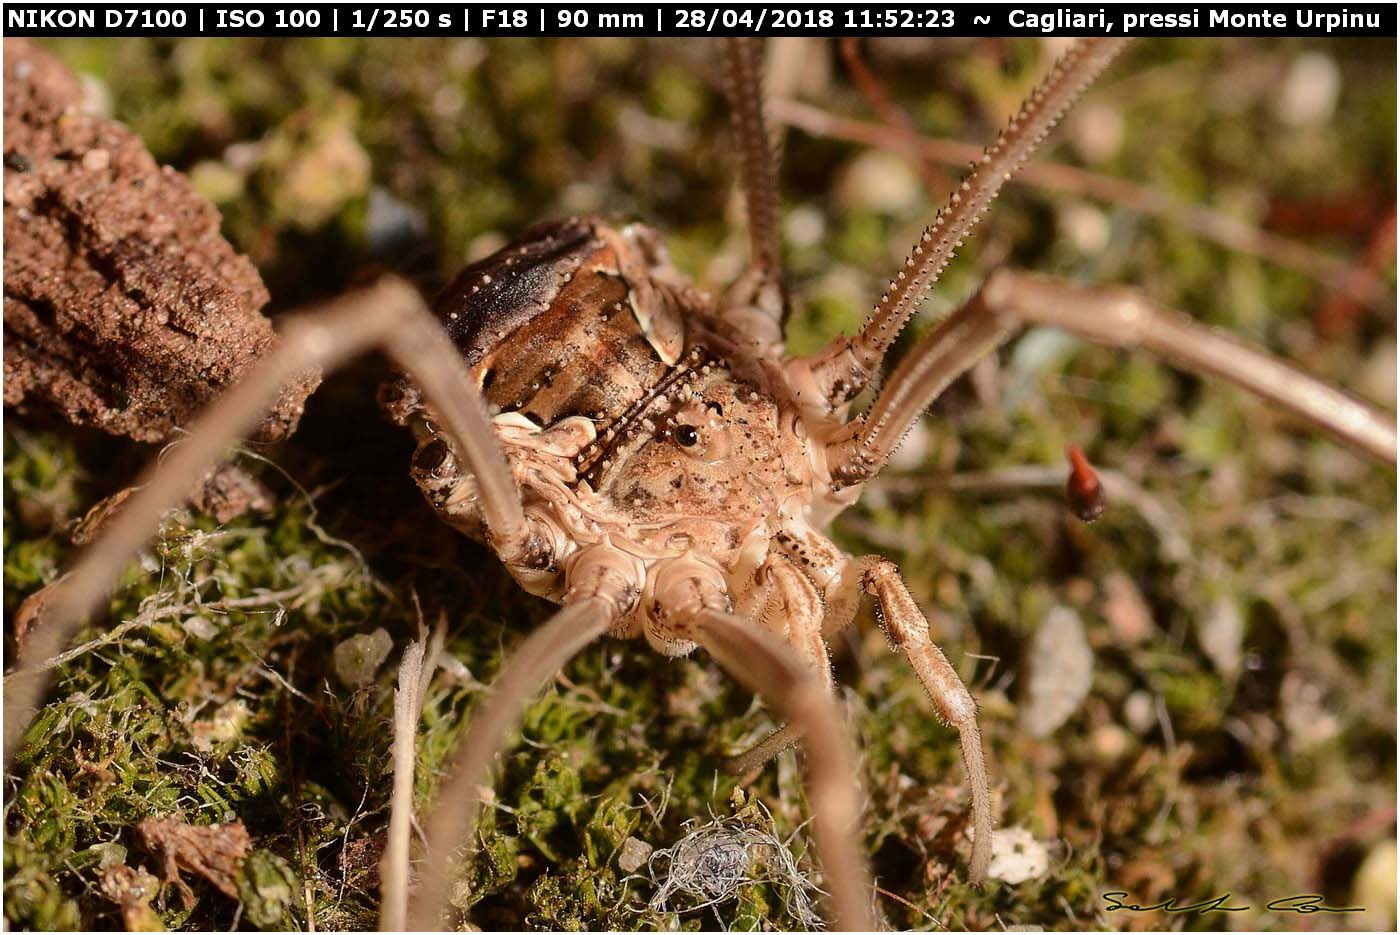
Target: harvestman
x=688, y=507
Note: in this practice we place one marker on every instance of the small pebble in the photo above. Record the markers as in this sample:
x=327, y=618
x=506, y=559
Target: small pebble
x=805, y=226
x=200, y=628
x=1110, y=742
x=1085, y=226
x=1310, y=91
x=634, y=855
x=1062, y=665
x=1139, y=712
x=1222, y=636
x=1125, y=610
x=358, y=658
x=880, y=182
x=1017, y=856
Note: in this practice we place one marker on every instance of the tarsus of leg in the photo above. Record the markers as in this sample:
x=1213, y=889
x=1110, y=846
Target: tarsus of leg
x=324, y=337
x=907, y=628
x=758, y=163
x=451, y=826
x=845, y=365
x=1115, y=317
x=769, y=666
x=758, y=756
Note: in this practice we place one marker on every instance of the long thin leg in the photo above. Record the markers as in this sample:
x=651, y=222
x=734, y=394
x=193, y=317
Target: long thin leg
x=452, y=823
x=758, y=167
x=907, y=628
x=845, y=365
x=756, y=304
x=766, y=665
x=392, y=313
x=1113, y=316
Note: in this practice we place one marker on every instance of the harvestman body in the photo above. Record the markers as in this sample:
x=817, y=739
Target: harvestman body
x=648, y=457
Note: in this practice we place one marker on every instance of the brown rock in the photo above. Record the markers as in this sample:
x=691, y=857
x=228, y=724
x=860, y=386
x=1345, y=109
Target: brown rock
x=125, y=308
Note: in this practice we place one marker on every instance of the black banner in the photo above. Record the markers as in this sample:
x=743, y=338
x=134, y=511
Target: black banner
x=696, y=19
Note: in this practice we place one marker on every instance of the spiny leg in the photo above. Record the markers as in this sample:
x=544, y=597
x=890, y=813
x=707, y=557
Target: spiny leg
x=757, y=303
x=847, y=364
x=1117, y=317
x=392, y=314
x=907, y=628
x=601, y=589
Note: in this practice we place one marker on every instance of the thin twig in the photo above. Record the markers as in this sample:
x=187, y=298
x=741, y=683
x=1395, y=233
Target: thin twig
x=893, y=116
x=1169, y=525
x=415, y=672
x=269, y=600
x=908, y=905
x=1208, y=223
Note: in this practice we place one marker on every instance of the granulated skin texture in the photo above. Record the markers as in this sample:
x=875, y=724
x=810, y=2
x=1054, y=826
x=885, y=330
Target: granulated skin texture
x=125, y=309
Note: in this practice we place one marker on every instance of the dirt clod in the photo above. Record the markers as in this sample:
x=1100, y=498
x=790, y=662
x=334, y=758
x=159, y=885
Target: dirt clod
x=125, y=308
x=132, y=889
x=228, y=492
x=213, y=852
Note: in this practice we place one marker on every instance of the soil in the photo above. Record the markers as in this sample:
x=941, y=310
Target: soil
x=125, y=309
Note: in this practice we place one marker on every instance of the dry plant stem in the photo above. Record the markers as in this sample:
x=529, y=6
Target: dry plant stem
x=1230, y=232
x=415, y=671
x=1115, y=317
x=845, y=365
x=907, y=628
x=894, y=117
x=758, y=165
x=391, y=312
x=452, y=824
x=1167, y=523
x=767, y=665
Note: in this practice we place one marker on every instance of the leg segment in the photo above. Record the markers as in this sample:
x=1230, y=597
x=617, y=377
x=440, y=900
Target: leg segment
x=1010, y=300
x=845, y=365
x=793, y=612
x=758, y=168
x=602, y=586
x=765, y=664
x=690, y=605
x=756, y=304
x=390, y=313
x=907, y=629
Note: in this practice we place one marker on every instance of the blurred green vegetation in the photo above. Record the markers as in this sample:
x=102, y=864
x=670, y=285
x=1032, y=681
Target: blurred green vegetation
x=1239, y=731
